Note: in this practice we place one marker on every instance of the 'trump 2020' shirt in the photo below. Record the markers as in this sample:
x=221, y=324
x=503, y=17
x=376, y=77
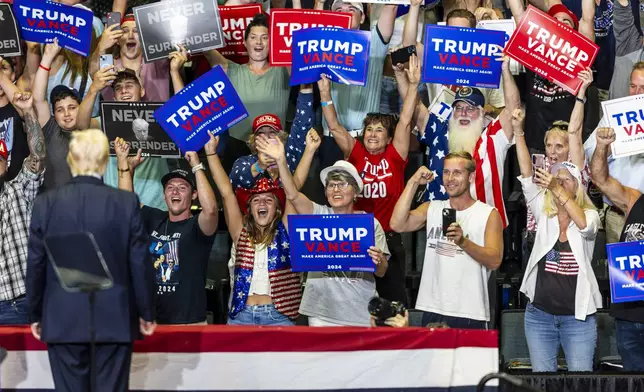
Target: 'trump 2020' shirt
x=180, y=252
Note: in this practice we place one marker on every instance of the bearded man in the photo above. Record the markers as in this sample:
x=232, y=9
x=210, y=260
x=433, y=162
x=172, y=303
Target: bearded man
x=488, y=145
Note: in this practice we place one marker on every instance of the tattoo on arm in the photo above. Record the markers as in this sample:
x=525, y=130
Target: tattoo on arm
x=36, y=140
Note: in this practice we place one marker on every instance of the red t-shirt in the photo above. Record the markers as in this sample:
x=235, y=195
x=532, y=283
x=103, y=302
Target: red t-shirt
x=383, y=176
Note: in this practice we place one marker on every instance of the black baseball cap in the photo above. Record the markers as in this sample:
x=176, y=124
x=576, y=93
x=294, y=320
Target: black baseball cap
x=62, y=89
x=179, y=173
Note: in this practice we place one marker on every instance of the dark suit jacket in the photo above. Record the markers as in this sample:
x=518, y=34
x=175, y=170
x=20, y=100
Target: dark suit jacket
x=113, y=216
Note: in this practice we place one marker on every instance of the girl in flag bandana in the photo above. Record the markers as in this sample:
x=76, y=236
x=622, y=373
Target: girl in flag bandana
x=265, y=290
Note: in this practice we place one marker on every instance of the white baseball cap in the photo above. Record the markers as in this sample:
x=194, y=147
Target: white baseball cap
x=338, y=3
x=342, y=166
x=571, y=167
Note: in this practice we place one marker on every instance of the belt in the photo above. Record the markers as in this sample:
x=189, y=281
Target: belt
x=616, y=210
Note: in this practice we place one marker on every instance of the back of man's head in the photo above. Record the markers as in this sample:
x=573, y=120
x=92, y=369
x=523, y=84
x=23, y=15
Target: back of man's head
x=88, y=153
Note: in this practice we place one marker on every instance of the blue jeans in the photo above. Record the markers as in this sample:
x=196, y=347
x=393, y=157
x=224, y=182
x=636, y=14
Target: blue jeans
x=14, y=312
x=452, y=322
x=544, y=333
x=630, y=344
x=260, y=315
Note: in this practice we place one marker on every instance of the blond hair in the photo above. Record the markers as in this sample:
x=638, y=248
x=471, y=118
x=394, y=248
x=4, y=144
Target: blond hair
x=559, y=128
x=470, y=164
x=262, y=235
x=89, y=152
x=550, y=207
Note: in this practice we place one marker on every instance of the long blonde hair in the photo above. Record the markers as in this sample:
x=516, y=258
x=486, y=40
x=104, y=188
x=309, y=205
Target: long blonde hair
x=258, y=235
x=550, y=207
x=75, y=64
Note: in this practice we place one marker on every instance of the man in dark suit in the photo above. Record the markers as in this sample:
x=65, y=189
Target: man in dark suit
x=124, y=311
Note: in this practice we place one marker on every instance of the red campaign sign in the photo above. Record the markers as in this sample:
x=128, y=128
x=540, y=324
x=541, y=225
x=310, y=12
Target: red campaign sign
x=285, y=21
x=234, y=20
x=551, y=49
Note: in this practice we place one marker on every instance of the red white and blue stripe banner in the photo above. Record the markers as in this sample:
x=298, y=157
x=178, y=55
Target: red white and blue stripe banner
x=223, y=358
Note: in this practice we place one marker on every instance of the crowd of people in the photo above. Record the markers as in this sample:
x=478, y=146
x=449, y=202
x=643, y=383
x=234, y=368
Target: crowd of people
x=341, y=149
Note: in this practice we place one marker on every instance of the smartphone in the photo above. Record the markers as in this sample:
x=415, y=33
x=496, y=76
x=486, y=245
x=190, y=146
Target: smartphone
x=402, y=55
x=105, y=60
x=114, y=18
x=538, y=162
x=449, y=217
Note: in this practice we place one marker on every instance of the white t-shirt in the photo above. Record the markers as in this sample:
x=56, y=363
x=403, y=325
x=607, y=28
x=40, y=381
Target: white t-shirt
x=453, y=284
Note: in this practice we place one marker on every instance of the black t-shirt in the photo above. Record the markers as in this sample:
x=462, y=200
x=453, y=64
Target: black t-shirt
x=12, y=133
x=633, y=231
x=180, y=252
x=557, y=281
x=546, y=103
x=57, y=141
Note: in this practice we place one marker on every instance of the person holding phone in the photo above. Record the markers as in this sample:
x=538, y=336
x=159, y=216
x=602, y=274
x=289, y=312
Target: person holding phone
x=459, y=257
x=559, y=280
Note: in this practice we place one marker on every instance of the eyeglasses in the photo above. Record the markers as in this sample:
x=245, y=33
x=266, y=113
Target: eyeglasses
x=337, y=185
x=466, y=109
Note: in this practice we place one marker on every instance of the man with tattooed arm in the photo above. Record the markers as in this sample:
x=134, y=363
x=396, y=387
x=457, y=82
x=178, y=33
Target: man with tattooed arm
x=16, y=201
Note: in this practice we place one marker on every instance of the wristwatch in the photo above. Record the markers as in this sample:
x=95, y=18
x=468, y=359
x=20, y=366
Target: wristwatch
x=581, y=100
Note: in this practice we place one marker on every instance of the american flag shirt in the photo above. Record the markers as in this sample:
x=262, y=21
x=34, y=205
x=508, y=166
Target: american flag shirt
x=557, y=281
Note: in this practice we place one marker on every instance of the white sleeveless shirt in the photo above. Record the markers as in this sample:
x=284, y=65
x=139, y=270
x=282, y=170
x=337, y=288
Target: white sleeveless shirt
x=452, y=283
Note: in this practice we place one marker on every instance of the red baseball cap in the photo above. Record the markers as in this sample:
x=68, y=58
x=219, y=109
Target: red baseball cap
x=557, y=8
x=3, y=150
x=267, y=120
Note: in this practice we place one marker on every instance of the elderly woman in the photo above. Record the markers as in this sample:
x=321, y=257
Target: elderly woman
x=559, y=280
x=333, y=298
x=380, y=157
x=265, y=290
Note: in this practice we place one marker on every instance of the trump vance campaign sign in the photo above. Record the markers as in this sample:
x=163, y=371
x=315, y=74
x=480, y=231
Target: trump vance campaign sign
x=331, y=242
x=626, y=117
x=551, y=49
x=42, y=21
x=209, y=104
x=341, y=55
x=192, y=23
x=284, y=22
x=626, y=271
x=234, y=20
x=462, y=56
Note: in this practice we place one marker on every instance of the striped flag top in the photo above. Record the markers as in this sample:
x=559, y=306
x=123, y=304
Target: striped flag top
x=435, y=137
x=561, y=263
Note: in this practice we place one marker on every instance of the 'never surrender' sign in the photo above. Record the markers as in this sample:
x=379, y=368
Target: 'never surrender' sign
x=551, y=49
x=234, y=20
x=626, y=117
x=331, y=242
x=192, y=23
x=210, y=103
x=284, y=22
x=626, y=271
x=341, y=55
x=9, y=37
x=42, y=21
x=135, y=123
x=462, y=56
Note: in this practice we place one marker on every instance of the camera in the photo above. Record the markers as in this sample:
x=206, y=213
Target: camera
x=383, y=309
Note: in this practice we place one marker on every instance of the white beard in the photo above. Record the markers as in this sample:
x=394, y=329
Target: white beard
x=464, y=138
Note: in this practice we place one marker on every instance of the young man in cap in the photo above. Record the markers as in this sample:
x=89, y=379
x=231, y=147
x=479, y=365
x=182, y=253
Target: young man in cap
x=177, y=235
x=11, y=128
x=16, y=202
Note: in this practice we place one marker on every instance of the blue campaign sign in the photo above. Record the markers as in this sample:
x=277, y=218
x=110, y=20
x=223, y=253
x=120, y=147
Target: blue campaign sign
x=462, y=56
x=626, y=271
x=331, y=242
x=210, y=103
x=44, y=20
x=341, y=55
